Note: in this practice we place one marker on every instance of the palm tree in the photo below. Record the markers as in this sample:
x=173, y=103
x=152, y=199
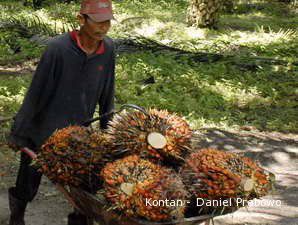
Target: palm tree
x=204, y=13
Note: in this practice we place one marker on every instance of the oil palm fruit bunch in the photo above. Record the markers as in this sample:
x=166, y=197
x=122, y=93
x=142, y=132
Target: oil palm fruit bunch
x=132, y=184
x=71, y=155
x=213, y=174
x=152, y=134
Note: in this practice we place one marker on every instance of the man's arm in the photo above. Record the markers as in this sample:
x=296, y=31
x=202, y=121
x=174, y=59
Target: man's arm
x=37, y=96
x=106, y=101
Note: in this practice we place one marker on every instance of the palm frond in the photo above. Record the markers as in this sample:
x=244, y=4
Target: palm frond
x=27, y=26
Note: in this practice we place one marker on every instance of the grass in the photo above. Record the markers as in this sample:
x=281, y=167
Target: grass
x=225, y=94
x=215, y=93
x=12, y=91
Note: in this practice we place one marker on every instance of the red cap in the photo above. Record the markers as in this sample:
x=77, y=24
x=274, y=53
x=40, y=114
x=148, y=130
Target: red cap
x=97, y=10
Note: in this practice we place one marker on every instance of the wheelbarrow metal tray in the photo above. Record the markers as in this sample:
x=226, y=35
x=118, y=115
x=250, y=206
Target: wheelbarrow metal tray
x=94, y=207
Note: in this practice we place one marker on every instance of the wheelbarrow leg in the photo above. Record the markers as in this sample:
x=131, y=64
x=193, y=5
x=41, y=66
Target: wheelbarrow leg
x=77, y=218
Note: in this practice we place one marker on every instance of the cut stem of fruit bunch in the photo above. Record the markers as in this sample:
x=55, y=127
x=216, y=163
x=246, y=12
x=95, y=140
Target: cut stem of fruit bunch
x=157, y=135
x=132, y=185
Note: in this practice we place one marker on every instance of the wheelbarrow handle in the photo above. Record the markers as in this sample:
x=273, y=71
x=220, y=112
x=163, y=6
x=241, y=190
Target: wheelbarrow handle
x=124, y=106
x=139, y=108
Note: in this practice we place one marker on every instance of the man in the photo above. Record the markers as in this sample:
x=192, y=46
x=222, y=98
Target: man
x=75, y=73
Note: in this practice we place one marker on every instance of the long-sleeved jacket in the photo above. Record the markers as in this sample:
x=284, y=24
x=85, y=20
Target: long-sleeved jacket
x=65, y=90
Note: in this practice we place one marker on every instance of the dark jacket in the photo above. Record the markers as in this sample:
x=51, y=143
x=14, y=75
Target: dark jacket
x=65, y=90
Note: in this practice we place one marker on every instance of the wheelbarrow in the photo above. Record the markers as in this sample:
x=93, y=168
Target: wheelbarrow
x=94, y=206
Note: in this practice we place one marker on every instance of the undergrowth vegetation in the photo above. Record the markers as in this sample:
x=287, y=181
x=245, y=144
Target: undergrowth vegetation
x=255, y=83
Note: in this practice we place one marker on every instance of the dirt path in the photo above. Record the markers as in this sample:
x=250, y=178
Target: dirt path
x=277, y=153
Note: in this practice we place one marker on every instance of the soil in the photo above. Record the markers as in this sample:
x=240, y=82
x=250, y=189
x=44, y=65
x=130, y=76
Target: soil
x=276, y=152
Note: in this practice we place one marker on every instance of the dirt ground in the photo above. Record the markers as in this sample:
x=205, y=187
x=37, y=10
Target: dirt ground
x=276, y=152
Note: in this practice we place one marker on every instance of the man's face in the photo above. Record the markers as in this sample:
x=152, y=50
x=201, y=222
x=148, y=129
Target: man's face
x=95, y=30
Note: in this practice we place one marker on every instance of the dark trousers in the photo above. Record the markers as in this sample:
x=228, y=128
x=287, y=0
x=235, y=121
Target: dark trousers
x=27, y=184
x=28, y=180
